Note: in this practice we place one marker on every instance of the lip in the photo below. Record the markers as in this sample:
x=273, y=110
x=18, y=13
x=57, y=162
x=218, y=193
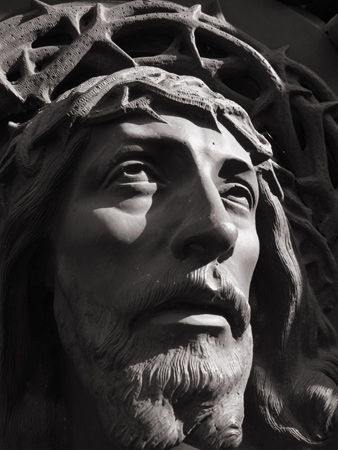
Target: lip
x=202, y=306
x=186, y=312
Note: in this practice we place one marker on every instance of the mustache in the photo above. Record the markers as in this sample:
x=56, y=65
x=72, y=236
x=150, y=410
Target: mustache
x=209, y=287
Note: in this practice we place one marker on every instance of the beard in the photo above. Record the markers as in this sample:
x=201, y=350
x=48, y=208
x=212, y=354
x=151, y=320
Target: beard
x=154, y=394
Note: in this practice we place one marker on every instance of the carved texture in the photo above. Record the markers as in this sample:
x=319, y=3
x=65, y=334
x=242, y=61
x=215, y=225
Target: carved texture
x=54, y=48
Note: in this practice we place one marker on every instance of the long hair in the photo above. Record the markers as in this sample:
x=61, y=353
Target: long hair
x=292, y=392
x=291, y=399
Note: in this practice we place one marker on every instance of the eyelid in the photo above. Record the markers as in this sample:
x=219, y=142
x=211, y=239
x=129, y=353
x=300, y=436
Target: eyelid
x=242, y=184
x=134, y=155
x=250, y=188
x=126, y=152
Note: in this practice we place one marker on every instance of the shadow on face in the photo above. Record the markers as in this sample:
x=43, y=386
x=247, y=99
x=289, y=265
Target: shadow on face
x=155, y=251
x=151, y=198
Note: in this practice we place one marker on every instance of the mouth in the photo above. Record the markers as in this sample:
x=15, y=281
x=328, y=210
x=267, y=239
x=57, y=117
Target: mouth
x=186, y=312
x=202, y=307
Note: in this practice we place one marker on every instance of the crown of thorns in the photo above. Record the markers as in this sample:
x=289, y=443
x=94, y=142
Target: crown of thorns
x=54, y=48
x=128, y=91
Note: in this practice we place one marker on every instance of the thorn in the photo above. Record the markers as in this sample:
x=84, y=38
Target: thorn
x=13, y=125
x=296, y=89
x=277, y=56
x=216, y=11
x=282, y=50
x=118, y=49
x=125, y=97
x=28, y=66
x=195, y=11
x=327, y=106
x=100, y=12
x=192, y=44
x=36, y=100
x=43, y=6
x=145, y=107
x=141, y=103
x=73, y=20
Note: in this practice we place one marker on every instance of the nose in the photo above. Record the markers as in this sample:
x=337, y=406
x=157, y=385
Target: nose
x=206, y=231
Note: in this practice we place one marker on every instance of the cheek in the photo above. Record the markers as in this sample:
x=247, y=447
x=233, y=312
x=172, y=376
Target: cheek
x=251, y=253
x=93, y=243
x=86, y=225
x=246, y=257
x=121, y=226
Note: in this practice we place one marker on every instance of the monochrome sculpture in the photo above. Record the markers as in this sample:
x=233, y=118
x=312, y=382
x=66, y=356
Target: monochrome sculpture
x=143, y=217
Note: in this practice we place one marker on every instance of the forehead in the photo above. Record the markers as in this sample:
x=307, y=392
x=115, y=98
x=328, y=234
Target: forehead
x=177, y=133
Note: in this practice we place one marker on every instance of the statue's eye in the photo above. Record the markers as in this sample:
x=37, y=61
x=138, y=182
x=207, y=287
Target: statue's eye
x=133, y=171
x=239, y=194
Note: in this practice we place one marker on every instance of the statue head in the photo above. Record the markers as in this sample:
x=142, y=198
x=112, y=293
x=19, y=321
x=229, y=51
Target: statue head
x=147, y=248
x=147, y=256
x=151, y=286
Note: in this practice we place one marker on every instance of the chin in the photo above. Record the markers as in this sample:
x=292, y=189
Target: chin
x=153, y=397
x=192, y=393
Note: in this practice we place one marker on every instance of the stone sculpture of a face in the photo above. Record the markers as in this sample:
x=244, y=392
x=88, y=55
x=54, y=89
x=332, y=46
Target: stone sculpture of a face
x=155, y=251
x=138, y=192
x=153, y=247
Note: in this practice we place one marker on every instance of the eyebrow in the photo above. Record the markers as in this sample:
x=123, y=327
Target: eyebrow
x=232, y=166
x=145, y=144
x=156, y=138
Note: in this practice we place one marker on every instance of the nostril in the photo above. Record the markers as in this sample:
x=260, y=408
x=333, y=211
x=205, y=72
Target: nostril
x=190, y=249
x=195, y=247
x=225, y=255
x=203, y=249
x=217, y=242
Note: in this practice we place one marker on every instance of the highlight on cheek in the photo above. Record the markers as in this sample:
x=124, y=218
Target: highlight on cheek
x=123, y=224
